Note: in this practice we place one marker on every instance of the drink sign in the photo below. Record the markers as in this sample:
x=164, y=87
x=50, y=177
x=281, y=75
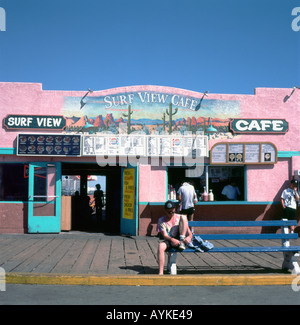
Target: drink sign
x=243, y=153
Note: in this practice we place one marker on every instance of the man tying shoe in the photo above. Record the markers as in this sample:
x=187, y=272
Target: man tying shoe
x=173, y=229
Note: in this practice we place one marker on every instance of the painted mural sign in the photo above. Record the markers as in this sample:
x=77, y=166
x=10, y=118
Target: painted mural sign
x=259, y=126
x=243, y=153
x=34, y=122
x=148, y=110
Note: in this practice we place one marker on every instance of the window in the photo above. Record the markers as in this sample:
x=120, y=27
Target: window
x=213, y=178
x=219, y=177
x=13, y=182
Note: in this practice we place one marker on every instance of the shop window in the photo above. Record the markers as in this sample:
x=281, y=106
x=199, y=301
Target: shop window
x=219, y=177
x=70, y=184
x=13, y=182
x=213, y=178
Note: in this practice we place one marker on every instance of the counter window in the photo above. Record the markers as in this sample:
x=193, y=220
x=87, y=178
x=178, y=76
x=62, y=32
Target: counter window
x=13, y=182
x=214, y=178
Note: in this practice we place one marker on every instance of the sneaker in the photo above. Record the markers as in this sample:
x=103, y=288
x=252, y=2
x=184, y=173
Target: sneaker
x=181, y=246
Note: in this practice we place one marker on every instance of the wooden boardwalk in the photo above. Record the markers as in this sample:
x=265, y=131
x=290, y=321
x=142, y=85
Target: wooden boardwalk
x=87, y=253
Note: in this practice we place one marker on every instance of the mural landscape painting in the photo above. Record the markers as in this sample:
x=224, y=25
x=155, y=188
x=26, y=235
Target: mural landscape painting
x=148, y=112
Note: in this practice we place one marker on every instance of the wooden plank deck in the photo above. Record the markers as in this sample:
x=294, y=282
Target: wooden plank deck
x=86, y=253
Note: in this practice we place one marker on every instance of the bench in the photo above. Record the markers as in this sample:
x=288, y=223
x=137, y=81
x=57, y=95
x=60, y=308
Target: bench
x=290, y=253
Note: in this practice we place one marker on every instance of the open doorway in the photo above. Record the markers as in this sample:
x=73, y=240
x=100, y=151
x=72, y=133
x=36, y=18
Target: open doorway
x=96, y=191
x=90, y=213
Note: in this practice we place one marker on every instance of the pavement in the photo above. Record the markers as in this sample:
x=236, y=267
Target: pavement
x=79, y=258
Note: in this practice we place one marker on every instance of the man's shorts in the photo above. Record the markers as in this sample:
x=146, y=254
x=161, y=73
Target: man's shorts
x=188, y=211
x=289, y=213
x=161, y=239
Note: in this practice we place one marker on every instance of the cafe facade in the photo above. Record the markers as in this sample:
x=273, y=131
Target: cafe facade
x=142, y=142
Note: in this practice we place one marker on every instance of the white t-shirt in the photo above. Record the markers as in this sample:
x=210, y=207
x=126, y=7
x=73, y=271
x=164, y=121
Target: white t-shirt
x=288, y=195
x=187, y=192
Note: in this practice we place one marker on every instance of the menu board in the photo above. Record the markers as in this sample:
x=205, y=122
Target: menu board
x=177, y=146
x=252, y=153
x=200, y=144
x=144, y=145
x=153, y=146
x=93, y=146
x=113, y=145
x=243, y=153
x=133, y=145
x=48, y=145
x=235, y=152
x=268, y=153
x=218, y=154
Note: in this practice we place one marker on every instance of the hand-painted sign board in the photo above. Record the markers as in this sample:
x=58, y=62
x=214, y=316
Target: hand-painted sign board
x=129, y=193
x=48, y=145
x=259, y=126
x=33, y=122
x=243, y=153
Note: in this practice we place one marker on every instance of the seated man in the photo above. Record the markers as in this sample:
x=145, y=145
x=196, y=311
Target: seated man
x=174, y=230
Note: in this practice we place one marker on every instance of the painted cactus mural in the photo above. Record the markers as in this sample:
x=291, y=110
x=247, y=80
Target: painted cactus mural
x=171, y=113
x=128, y=115
x=151, y=106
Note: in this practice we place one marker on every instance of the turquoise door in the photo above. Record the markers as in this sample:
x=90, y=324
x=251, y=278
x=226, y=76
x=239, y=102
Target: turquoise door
x=129, y=200
x=44, y=201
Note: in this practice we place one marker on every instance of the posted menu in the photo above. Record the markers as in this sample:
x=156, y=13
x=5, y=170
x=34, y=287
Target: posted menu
x=243, y=153
x=48, y=145
x=128, y=193
x=143, y=145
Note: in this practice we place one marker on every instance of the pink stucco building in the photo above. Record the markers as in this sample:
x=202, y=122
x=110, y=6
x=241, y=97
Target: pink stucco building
x=54, y=143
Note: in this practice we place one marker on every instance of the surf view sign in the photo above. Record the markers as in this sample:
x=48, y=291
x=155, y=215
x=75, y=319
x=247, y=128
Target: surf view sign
x=48, y=122
x=151, y=109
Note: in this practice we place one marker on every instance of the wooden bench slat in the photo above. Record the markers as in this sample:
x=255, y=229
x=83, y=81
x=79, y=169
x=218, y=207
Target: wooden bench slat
x=253, y=249
x=247, y=236
x=290, y=252
x=250, y=249
x=265, y=223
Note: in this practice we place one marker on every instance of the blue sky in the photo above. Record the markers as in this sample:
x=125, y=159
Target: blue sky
x=224, y=46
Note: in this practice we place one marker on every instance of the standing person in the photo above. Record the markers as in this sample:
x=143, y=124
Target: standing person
x=289, y=199
x=173, y=229
x=231, y=191
x=98, y=196
x=187, y=197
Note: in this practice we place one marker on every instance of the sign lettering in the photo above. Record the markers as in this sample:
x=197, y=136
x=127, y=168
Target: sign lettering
x=34, y=122
x=128, y=193
x=259, y=126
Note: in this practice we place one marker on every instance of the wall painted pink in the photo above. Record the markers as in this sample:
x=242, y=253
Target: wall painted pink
x=263, y=183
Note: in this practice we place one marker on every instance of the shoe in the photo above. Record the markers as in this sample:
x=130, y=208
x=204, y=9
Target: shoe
x=181, y=246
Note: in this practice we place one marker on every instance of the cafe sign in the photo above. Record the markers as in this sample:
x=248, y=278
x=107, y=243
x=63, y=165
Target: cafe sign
x=275, y=126
x=48, y=122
